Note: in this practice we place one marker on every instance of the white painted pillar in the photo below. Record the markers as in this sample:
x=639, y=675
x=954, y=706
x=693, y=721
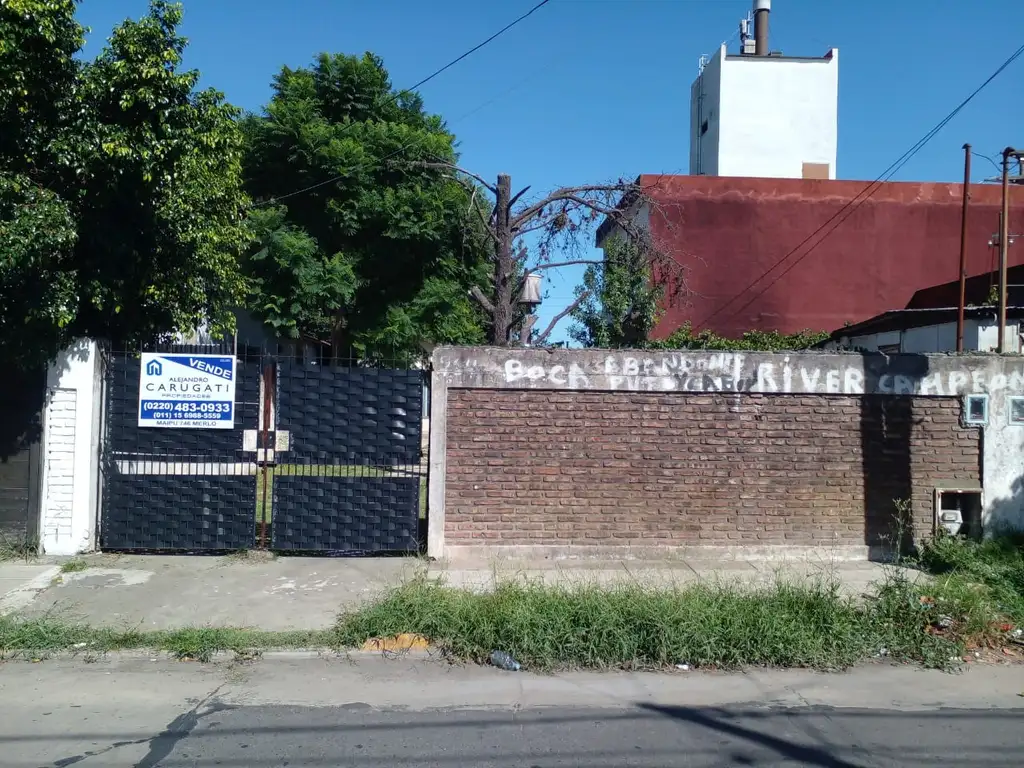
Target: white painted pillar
x=70, y=450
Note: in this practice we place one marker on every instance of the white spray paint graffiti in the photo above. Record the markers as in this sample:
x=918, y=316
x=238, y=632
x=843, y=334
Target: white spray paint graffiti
x=736, y=372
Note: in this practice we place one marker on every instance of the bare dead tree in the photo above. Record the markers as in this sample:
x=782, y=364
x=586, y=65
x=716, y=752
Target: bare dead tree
x=562, y=222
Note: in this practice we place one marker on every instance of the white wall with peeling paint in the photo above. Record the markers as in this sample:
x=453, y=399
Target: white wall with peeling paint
x=72, y=419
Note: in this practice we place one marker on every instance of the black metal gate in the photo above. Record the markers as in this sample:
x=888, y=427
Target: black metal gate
x=176, y=489
x=322, y=460
x=350, y=478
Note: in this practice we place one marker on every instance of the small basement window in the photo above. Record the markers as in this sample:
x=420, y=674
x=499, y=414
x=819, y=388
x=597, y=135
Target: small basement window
x=958, y=512
x=975, y=410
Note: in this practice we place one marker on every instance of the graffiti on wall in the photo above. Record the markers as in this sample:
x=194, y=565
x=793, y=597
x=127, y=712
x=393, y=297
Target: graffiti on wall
x=780, y=374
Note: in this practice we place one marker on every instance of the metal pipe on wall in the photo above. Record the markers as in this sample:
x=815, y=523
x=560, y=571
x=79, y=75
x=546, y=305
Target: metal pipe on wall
x=761, y=10
x=1004, y=242
x=963, y=251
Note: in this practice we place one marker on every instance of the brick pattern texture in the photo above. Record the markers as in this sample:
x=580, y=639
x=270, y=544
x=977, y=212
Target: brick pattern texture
x=597, y=469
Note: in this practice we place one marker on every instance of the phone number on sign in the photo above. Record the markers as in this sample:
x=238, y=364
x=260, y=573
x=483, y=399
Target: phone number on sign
x=185, y=410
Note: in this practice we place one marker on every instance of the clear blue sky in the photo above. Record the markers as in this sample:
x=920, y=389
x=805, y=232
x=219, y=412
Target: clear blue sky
x=591, y=90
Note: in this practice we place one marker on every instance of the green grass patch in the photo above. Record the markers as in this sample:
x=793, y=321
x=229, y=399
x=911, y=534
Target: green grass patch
x=632, y=626
x=42, y=637
x=991, y=572
x=73, y=565
x=18, y=548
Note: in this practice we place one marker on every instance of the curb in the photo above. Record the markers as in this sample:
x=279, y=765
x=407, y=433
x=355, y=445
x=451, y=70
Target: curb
x=138, y=654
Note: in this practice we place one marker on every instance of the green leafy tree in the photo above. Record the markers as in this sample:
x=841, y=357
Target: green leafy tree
x=358, y=241
x=620, y=300
x=121, y=198
x=754, y=341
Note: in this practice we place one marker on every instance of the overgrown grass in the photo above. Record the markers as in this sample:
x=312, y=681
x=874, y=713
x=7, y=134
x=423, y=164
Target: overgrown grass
x=41, y=637
x=18, y=548
x=623, y=626
x=990, y=572
x=973, y=599
x=784, y=624
x=73, y=565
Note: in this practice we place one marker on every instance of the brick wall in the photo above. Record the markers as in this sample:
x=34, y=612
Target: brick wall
x=527, y=467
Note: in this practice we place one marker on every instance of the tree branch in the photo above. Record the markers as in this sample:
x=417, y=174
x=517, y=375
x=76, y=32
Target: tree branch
x=483, y=219
x=457, y=169
x=557, y=318
x=557, y=264
x=574, y=194
x=481, y=299
x=517, y=195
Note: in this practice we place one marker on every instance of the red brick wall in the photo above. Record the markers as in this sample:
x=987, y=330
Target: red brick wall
x=591, y=468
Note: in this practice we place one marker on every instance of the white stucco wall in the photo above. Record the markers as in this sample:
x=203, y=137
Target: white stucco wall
x=1002, y=467
x=979, y=336
x=71, y=425
x=705, y=104
x=767, y=116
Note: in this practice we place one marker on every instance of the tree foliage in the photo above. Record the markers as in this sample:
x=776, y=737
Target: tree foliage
x=753, y=341
x=620, y=303
x=357, y=241
x=121, y=200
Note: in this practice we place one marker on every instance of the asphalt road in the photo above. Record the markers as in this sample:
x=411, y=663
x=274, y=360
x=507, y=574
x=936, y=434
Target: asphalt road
x=148, y=715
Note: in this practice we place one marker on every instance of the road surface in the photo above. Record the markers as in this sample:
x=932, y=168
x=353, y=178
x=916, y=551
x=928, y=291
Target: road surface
x=305, y=712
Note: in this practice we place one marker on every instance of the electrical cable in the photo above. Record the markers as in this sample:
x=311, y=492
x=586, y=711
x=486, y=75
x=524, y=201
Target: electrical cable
x=397, y=95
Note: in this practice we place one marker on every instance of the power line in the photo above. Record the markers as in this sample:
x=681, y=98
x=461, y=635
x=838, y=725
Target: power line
x=856, y=202
x=394, y=97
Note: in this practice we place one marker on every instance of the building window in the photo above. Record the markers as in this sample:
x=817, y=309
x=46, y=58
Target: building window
x=1017, y=410
x=975, y=410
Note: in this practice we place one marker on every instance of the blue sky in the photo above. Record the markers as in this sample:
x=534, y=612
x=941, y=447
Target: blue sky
x=591, y=90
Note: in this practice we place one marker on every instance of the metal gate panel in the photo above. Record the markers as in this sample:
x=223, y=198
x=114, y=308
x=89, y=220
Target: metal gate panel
x=176, y=489
x=351, y=478
x=356, y=415
x=179, y=512
x=343, y=515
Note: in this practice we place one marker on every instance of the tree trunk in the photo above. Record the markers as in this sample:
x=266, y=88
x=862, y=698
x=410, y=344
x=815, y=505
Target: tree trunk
x=504, y=271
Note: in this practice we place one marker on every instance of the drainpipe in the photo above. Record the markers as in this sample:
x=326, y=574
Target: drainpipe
x=1004, y=242
x=963, y=251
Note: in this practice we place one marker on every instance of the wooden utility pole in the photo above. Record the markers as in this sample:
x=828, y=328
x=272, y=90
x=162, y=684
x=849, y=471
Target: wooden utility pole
x=503, y=267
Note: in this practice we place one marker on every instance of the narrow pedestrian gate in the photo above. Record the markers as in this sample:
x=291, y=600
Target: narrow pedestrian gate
x=321, y=459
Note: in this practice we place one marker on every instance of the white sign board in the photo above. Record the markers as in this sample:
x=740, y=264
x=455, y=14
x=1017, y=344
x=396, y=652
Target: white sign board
x=191, y=391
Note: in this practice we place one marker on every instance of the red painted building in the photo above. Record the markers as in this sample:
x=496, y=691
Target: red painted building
x=795, y=254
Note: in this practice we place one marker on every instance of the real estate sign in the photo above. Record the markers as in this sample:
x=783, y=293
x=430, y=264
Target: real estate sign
x=190, y=391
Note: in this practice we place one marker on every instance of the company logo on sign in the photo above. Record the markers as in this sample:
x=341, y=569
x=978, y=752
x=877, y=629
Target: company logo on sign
x=187, y=391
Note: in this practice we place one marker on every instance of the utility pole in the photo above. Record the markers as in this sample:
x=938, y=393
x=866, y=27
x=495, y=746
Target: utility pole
x=963, y=251
x=503, y=266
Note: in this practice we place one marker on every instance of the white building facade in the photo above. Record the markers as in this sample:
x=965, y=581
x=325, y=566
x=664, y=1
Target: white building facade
x=768, y=116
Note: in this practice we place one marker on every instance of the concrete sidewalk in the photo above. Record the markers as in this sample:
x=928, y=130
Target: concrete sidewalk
x=285, y=593
x=21, y=582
